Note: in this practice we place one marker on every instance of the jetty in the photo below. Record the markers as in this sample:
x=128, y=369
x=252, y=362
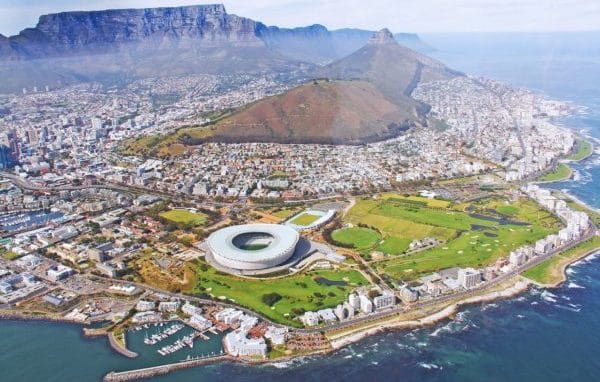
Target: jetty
x=149, y=372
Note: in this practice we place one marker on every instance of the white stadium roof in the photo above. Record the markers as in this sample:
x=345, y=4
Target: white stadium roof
x=281, y=246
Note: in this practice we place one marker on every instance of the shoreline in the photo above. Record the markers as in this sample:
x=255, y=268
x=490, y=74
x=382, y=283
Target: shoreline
x=518, y=286
x=447, y=312
x=563, y=269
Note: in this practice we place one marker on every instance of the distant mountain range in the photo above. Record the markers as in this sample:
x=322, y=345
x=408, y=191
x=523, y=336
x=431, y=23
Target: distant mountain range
x=118, y=46
x=189, y=27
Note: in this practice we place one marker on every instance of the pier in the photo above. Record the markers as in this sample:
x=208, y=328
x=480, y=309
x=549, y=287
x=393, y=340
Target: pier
x=149, y=372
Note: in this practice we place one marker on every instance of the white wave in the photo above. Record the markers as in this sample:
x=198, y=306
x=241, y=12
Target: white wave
x=520, y=316
x=282, y=365
x=567, y=308
x=548, y=297
x=570, y=271
x=348, y=356
x=534, y=303
x=489, y=306
x=429, y=366
x=374, y=363
x=572, y=285
x=566, y=298
x=422, y=344
x=446, y=328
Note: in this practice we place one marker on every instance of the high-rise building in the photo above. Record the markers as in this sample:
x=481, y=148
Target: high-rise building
x=9, y=149
x=468, y=277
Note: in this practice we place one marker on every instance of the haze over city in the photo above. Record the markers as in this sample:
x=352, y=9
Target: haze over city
x=429, y=16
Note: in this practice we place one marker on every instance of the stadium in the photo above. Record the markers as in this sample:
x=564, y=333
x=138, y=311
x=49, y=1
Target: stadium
x=254, y=248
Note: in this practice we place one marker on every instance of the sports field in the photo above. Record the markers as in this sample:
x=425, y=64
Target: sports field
x=181, y=216
x=358, y=237
x=312, y=290
x=304, y=219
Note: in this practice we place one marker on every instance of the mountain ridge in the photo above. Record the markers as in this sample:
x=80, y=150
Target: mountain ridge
x=194, y=26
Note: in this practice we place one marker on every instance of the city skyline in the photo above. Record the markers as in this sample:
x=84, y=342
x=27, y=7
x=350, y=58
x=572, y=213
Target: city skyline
x=432, y=16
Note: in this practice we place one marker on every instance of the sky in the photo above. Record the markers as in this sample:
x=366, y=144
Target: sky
x=421, y=16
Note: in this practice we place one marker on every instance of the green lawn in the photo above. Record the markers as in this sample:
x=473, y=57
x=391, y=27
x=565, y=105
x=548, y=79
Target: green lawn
x=359, y=237
x=181, y=216
x=477, y=247
x=368, y=212
x=299, y=292
x=8, y=255
x=284, y=213
x=583, y=151
x=305, y=219
x=550, y=272
x=561, y=172
x=394, y=245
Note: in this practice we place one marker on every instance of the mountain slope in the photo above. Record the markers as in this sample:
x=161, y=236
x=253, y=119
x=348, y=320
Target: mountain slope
x=331, y=112
x=393, y=68
x=367, y=100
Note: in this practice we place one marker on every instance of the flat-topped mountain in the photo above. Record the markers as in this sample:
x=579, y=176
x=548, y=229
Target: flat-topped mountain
x=201, y=26
x=118, y=46
x=198, y=26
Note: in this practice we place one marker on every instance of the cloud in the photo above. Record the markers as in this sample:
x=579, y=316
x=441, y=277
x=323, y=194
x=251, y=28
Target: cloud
x=398, y=15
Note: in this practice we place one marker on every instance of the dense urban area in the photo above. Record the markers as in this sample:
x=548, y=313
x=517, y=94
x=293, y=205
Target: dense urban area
x=105, y=219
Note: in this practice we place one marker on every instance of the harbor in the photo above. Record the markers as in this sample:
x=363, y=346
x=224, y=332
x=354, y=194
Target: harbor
x=172, y=342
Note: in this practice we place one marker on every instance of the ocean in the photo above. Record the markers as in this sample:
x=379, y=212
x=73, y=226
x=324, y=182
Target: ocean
x=542, y=335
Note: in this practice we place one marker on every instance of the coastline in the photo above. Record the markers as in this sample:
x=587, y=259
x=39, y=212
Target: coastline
x=563, y=269
x=447, y=312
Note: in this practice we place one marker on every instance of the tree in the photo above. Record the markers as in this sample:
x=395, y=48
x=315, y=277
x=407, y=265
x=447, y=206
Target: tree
x=271, y=299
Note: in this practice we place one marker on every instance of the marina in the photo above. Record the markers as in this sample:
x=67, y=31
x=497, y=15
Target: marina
x=157, y=337
x=172, y=342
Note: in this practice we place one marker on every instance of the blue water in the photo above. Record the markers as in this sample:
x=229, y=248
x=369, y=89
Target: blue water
x=540, y=336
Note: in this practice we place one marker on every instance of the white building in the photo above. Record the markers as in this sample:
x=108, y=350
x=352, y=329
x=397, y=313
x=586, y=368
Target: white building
x=199, y=322
x=59, y=272
x=366, y=305
x=237, y=344
x=327, y=315
x=386, y=300
x=190, y=309
x=144, y=305
x=168, y=306
x=516, y=258
x=277, y=335
x=354, y=301
x=468, y=277
x=310, y=319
